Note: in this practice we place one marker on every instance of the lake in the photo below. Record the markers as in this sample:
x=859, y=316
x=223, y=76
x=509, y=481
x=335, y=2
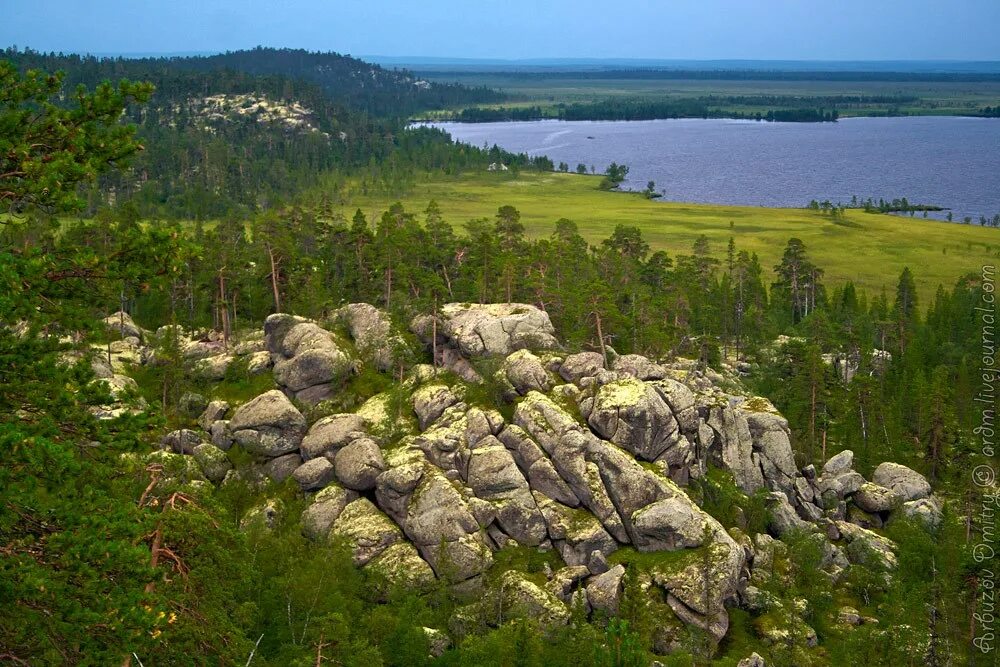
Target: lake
x=946, y=161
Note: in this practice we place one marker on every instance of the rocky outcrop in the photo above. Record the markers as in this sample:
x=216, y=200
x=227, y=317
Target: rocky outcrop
x=122, y=324
x=493, y=329
x=268, y=425
x=308, y=362
x=635, y=416
x=523, y=372
x=359, y=464
x=425, y=482
x=907, y=483
x=374, y=335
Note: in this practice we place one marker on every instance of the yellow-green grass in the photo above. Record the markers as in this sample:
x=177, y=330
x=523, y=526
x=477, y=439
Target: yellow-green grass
x=869, y=249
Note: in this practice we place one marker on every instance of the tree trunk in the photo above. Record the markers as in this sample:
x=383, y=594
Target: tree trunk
x=274, y=280
x=600, y=337
x=224, y=309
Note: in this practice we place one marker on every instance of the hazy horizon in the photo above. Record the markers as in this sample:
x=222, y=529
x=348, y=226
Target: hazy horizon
x=692, y=30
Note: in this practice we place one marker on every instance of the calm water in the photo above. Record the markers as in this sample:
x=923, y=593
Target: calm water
x=947, y=161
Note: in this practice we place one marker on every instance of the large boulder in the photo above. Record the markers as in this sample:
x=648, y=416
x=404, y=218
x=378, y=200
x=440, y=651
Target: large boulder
x=330, y=433
x=326, y=506
x=874, y=498
x=772, y=445
x=577, y=366
x=522, y=598
x=268, y=425
x=839, y=464
x=122, y=324
x=733, y=447
x=402, y=565
x=908, y=483
x=567, y=445
x=430, y=401
x=310, y=363
x=639, y=367
x=700, y=584
x=496, y=329
x=213, y=412
x=525, y=372
x=276, y=327
x=367, y=531
x=359, y=464
x=925, y=510
x=441, y=525
x=181, y=441
x=314, y=474
x=634, y=416
x=604, y=591
x=867, y=548
x=782, y=518
x=282, y=467
x=213, y=461
x=494, y=476
x=576, y=533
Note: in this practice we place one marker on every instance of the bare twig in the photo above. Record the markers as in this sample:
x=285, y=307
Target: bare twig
x=250, y=659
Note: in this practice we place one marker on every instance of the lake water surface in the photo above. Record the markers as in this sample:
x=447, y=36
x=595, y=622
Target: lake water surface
x=947, y=161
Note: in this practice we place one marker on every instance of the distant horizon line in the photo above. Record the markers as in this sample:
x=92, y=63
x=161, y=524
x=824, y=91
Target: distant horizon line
x=525, y=60
x=880, y=64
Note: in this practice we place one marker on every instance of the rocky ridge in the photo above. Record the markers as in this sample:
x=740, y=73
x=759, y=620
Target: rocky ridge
x=592, y=460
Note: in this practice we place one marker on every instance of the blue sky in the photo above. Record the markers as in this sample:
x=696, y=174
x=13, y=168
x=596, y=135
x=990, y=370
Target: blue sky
x=684, y=29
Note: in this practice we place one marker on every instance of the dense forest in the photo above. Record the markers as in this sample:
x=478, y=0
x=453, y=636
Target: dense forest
x=641, y=109
x=245, y=131
x=106, y=557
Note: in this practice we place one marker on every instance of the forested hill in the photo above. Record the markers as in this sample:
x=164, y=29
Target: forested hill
x=353, y=82
x=245, y=131
x=345, y=80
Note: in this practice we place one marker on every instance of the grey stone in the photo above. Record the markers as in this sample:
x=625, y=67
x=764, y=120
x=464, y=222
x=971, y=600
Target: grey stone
x=222, y=436
x=213, y=461
x=581, y=365
x=839, y=463
x=783, y=518
x=598, y=562
x=753, y=660
x=213, y=412
x=635, y=416
x=924, y=510
x=281, y=468
x=639, y=367
x=324, y=510
x=314, y=474
x=366, y=530
x=908, y=483
x=372, y=332
x=496, y=329
x=874, y=498
x=182, y=441
x=359, y=463
x=524, y=372
x=122, y=324
x=268, y=425
x=329, y=434
x=430, y=402
x=604, y=591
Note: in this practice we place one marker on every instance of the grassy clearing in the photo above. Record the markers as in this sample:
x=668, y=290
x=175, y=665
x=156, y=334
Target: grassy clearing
x=867, y=248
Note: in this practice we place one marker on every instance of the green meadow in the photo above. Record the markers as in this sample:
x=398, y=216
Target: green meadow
x=869, y=249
